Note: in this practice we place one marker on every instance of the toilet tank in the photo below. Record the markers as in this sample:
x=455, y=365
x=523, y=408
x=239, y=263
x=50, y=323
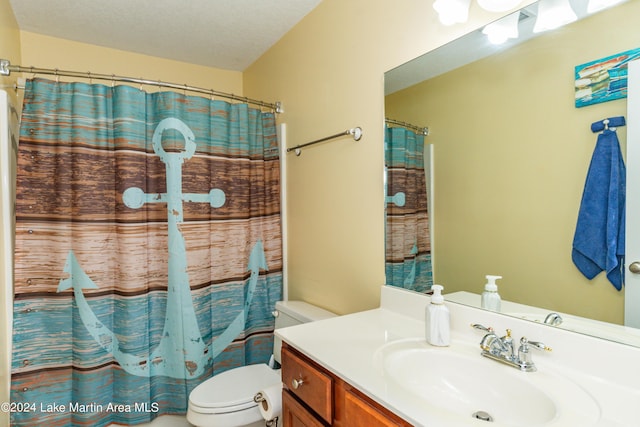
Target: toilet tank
x=291, y=313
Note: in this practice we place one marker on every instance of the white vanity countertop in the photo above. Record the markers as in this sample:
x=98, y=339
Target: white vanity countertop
x=347, y=346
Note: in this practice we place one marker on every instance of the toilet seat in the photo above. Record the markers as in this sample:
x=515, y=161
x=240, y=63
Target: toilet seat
x=232, y=390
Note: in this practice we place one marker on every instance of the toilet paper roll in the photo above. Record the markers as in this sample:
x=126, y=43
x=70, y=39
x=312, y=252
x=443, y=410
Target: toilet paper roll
x=270, y=403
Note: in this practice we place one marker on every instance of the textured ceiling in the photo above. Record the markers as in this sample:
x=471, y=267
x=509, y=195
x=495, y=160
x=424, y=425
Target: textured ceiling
x=226, y=34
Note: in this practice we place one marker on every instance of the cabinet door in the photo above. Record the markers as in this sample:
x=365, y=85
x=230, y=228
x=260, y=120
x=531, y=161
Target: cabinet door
x=295, y=415
x=359, y=412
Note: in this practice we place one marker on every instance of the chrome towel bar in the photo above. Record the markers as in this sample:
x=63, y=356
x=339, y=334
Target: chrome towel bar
x=356, y=132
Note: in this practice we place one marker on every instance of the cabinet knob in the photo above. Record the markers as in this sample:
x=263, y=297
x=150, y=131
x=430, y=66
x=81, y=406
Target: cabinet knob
x=635, y=267
x=296, y=383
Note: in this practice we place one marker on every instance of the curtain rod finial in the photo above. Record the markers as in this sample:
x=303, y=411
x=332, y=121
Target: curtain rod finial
x=356, y=132
x=4, y=67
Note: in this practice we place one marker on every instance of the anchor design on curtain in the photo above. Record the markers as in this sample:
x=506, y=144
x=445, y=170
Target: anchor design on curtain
x=181, y=352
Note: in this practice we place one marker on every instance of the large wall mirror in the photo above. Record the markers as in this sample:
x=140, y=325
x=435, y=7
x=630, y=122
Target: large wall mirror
x=511, y=153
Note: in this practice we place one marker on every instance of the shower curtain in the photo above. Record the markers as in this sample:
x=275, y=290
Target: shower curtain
x=148, y=250
x=408, y=247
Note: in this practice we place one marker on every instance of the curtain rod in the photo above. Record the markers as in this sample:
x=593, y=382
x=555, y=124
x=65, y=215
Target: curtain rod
x=423, y=130
x=6, y=69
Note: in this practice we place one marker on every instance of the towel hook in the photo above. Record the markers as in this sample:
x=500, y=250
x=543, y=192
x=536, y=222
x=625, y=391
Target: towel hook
x=610, y=123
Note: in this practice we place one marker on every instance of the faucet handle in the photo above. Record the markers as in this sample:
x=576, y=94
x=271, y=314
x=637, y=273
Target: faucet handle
x=482, y=327
x=538, y=345
x=525, y=343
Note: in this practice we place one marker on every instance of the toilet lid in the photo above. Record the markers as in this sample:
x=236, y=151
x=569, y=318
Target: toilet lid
x=234, y=389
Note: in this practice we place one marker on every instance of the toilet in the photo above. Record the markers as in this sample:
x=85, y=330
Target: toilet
x=226, y=400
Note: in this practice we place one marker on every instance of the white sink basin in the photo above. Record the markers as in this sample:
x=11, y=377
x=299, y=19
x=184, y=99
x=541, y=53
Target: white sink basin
x=457, y=383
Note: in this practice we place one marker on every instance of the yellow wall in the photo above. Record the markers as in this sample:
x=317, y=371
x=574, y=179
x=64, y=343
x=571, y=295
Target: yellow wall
x=328, y=72
x=508, y=190
x=9, y=49
x=50, y=52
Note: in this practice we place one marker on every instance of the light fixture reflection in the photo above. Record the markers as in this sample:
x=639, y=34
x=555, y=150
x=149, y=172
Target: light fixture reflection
x=553, y=14
x=452, y=11
x=598, y=5
x=502, y=30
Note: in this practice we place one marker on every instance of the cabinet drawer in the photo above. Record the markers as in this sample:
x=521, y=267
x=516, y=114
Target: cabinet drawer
x=308, y=382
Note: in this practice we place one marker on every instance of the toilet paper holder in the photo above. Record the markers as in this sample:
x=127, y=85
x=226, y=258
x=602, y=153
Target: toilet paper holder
x=259, y=398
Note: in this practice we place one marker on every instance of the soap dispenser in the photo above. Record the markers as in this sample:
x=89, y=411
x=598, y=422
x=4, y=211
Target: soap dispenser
x=437, y=319
x=490, y=299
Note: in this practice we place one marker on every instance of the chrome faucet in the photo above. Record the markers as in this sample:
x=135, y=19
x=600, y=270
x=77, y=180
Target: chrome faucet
x=502, y=350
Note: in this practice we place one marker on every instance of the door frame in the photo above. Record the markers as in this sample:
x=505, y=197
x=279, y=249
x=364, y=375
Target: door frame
x=632, y=246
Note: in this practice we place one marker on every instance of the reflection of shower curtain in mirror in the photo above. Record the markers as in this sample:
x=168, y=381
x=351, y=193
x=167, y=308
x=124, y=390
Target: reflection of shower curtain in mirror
x=148, y=250
x=408, y=247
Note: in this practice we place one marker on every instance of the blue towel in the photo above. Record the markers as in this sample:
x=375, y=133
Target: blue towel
x=598, y=243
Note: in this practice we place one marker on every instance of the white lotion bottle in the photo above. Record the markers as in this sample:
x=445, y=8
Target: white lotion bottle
x=437, y=319
x=490, y=299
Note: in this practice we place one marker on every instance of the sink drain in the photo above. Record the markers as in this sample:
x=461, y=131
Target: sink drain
x=482, y=415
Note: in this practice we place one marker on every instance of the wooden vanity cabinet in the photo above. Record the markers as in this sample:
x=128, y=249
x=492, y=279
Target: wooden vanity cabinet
x=314, y=397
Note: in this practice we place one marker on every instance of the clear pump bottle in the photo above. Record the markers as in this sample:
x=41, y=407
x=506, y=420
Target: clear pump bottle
x=437, y=319
x=490, y=299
